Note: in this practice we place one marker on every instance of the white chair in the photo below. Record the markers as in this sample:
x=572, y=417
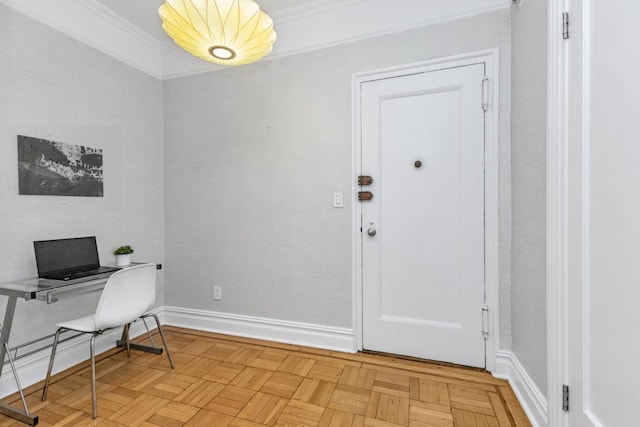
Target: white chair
x=127, y=296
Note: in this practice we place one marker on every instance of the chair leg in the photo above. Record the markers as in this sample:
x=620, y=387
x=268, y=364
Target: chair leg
x=153, y=343
x=94, y=404
x=126, y=339
x=53, y=355
x=164, y=341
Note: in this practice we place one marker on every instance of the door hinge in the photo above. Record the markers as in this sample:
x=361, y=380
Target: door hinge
x=485, y=322
x=565, y=397
x=565, y=25
x=485, y=93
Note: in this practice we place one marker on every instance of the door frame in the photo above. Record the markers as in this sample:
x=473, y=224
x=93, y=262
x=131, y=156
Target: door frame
x=492, y=184
x=557, y=211
x=568, y=215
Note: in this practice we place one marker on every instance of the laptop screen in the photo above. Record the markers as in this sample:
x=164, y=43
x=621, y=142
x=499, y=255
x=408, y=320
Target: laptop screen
x=66, y=254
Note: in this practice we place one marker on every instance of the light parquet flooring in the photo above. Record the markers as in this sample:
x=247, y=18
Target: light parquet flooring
x=228, y=381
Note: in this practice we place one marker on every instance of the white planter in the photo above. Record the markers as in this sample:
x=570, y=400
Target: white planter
x=123, y=260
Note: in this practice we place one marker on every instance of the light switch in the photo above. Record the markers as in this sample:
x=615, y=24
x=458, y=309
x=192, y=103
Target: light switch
x=337, y=200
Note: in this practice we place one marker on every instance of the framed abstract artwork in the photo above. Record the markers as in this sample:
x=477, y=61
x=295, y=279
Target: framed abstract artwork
x=50, y=168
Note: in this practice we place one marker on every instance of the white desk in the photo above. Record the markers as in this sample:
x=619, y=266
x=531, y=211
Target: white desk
x=34, y=289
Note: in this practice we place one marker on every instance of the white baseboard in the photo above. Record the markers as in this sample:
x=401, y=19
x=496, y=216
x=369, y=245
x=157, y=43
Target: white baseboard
x=326, y=337
x=531, y=398
x=33, y=368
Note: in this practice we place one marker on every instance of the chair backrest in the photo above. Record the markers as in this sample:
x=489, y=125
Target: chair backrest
x=127, y=295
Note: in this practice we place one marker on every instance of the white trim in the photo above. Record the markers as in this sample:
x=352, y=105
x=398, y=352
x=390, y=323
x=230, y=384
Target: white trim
x=557, y=211
x=33, y=368
x=571, y=328
x=492, y=208
x=410, y=14
x=367, y=31
x=300, y=28
x=177, y=63
x=586, y=332
x=531, y=398
x=307, y=10
x=97, y=26
x=326, y=337
x=491, y=58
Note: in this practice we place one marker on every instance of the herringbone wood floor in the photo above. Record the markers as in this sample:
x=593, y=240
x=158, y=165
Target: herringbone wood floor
x=227, y=381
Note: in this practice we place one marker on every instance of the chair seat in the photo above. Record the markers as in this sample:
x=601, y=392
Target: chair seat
x=82, y=324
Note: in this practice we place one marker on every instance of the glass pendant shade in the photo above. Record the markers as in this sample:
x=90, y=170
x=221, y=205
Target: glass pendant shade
x=227, y=32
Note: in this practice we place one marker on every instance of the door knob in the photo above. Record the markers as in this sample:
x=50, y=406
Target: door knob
x=371, y=231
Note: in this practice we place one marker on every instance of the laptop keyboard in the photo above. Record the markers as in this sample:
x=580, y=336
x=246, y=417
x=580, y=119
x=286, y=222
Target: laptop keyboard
x=73, y=275
x=76, y=274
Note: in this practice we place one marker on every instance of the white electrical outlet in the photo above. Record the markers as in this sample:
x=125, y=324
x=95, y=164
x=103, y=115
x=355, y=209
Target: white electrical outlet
x=217, y=293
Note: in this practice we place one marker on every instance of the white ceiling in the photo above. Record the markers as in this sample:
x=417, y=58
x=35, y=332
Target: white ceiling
x=144, y=13
x=131, y=30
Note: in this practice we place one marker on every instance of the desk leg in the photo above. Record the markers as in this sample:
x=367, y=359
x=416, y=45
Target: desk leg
x=6, y=327
x=5, y=409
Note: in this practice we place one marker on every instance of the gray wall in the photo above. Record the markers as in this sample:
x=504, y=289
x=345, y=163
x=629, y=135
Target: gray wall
x=59, y=89
x=253, y=156
x=528, y=169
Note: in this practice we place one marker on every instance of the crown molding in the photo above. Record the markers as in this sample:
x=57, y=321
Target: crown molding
x=300, y=28
x=117, y=21
x=95, y=25
x=304, y=11
x=317, y=7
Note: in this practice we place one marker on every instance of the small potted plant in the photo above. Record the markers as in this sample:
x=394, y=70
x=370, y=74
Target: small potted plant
x=123, y=255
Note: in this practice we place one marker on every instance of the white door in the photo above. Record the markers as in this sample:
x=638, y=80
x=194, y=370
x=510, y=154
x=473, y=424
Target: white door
x=423, y=230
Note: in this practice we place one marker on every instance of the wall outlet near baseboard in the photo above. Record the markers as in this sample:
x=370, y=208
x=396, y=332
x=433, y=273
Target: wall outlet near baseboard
x=217, y=293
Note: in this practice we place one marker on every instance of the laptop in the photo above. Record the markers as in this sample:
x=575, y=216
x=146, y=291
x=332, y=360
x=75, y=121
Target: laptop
x=70, y=259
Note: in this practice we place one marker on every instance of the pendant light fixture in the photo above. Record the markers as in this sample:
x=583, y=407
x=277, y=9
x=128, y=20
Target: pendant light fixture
x=227, y=32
